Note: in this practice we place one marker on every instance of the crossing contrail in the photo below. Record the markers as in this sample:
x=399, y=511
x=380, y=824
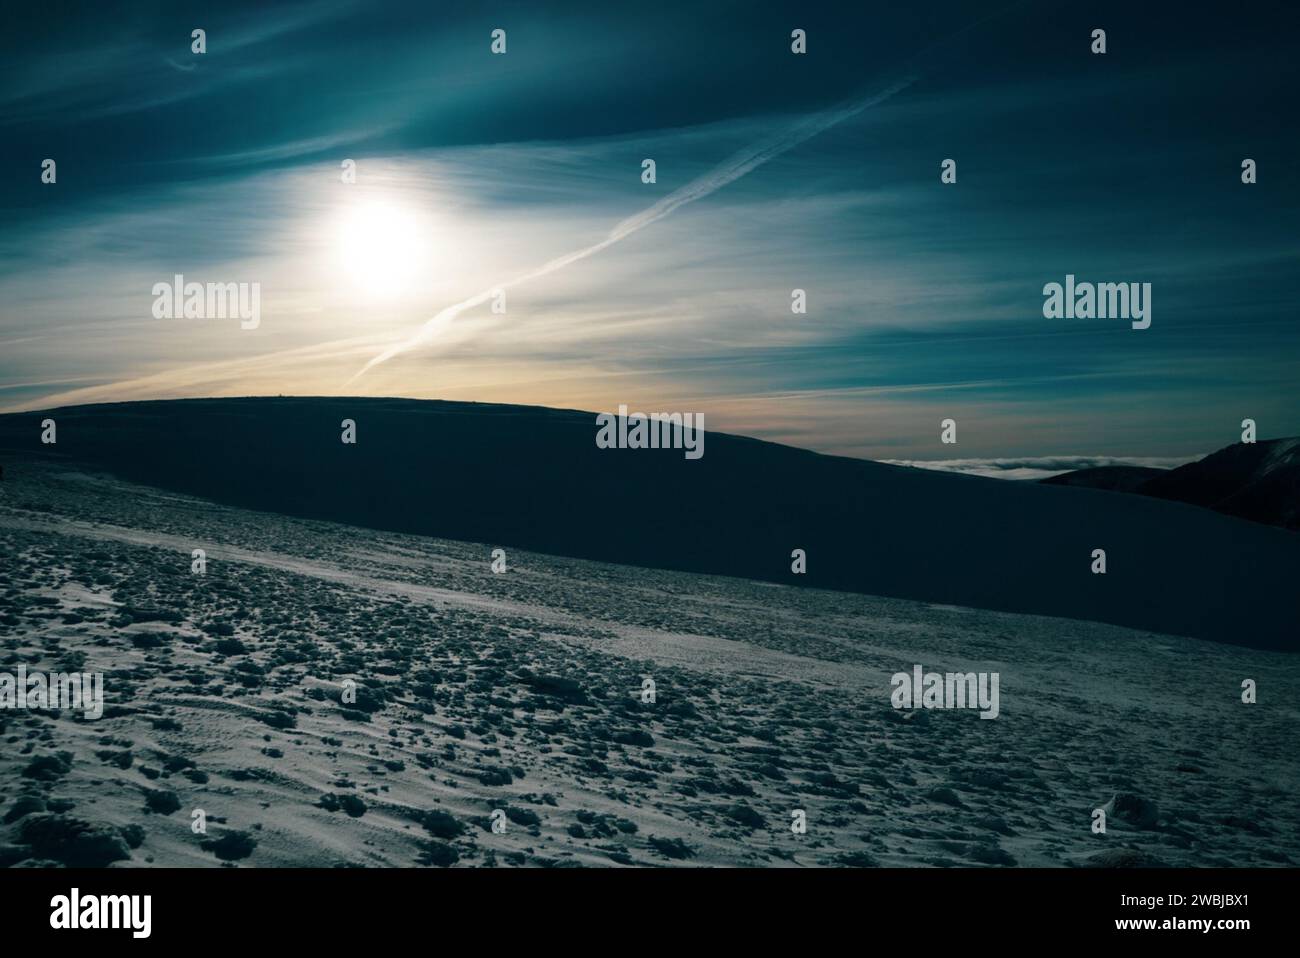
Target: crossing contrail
x=733, y=169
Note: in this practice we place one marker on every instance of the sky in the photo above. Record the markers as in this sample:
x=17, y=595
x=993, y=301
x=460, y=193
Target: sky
x=775, y=171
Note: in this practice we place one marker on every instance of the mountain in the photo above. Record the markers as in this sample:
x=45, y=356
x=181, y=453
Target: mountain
x=1258, y=481
x=533, y=478
x=1114, y=478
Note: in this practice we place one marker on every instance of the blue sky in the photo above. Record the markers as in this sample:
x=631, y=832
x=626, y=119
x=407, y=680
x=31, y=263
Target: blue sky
x=924, y=300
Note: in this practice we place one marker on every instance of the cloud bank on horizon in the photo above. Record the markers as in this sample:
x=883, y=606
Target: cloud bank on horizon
x=1038, y=467
x=924, y=299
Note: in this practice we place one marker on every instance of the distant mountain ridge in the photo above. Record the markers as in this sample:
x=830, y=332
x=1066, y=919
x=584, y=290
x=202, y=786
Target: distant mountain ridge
x=1114, y=478
x=1258, y=481
x=533, y=478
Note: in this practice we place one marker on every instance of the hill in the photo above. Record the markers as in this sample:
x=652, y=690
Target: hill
x=1257, y=481
x=533, y=478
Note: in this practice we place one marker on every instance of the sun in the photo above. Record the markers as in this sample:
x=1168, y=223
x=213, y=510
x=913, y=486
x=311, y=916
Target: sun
x=381, y=246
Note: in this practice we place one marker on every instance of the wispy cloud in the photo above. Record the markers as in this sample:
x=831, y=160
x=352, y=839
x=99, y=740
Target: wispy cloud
x=133, y=71
x=741, y=163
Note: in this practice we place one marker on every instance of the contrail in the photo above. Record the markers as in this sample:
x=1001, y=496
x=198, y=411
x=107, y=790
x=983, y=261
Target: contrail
x=733, y=169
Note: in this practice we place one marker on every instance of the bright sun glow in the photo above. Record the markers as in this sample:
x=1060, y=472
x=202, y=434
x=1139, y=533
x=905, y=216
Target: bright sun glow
x=382, y=248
